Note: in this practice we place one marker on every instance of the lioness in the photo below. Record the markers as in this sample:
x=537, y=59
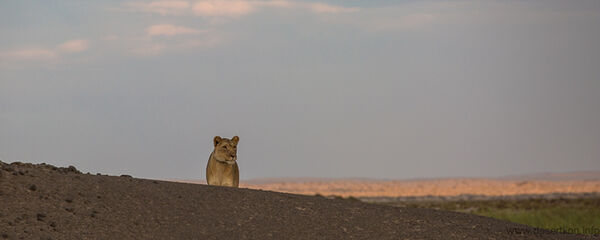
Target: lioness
x=222, y=168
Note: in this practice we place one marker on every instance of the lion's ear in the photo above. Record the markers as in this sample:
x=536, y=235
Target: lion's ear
x=235, y=139
x=217, y=140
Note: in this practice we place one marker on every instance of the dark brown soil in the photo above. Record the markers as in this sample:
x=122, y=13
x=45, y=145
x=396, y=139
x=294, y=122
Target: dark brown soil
x=46, y=202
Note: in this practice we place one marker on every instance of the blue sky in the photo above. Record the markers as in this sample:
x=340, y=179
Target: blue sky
x=379, y=89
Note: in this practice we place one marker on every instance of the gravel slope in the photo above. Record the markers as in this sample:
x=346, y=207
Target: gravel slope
x=46, y=202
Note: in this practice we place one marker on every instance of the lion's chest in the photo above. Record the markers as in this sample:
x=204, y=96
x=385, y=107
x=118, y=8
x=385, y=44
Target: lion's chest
x=221, y=174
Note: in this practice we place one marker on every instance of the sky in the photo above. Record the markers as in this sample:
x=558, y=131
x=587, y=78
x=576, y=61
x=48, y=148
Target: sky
x=326, y=88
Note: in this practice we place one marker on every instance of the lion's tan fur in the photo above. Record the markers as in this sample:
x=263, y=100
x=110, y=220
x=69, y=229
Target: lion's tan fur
x=222, y=168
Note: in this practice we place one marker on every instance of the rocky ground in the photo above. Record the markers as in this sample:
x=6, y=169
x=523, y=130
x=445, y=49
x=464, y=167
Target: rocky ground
x=47, y=202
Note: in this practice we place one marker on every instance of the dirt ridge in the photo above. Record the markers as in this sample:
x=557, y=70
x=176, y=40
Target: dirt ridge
x=41, y=201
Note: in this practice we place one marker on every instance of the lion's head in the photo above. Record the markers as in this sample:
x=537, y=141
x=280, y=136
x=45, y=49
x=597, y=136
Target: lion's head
x=225, y=149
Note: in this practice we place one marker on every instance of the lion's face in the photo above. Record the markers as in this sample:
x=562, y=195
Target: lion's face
x=225, y=149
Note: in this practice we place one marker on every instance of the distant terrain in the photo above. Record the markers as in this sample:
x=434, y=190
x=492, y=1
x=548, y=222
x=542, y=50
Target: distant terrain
x=544, y=176
x=557, y=176
x=518, y=185
x=40, y=201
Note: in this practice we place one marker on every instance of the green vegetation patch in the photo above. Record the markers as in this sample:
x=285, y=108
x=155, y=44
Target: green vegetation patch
x=580, y=215
x=560, y=219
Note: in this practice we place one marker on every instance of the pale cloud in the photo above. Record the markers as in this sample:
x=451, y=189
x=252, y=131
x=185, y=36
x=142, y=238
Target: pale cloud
x=161, y=7
x=219, y=8
x=230, y=8
x=75, y=45
x=170, y=30
x=275, y=3
x=45, y=53
x=326, y=8
x=149, y=45
x=30, y=54
x=216, y=11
